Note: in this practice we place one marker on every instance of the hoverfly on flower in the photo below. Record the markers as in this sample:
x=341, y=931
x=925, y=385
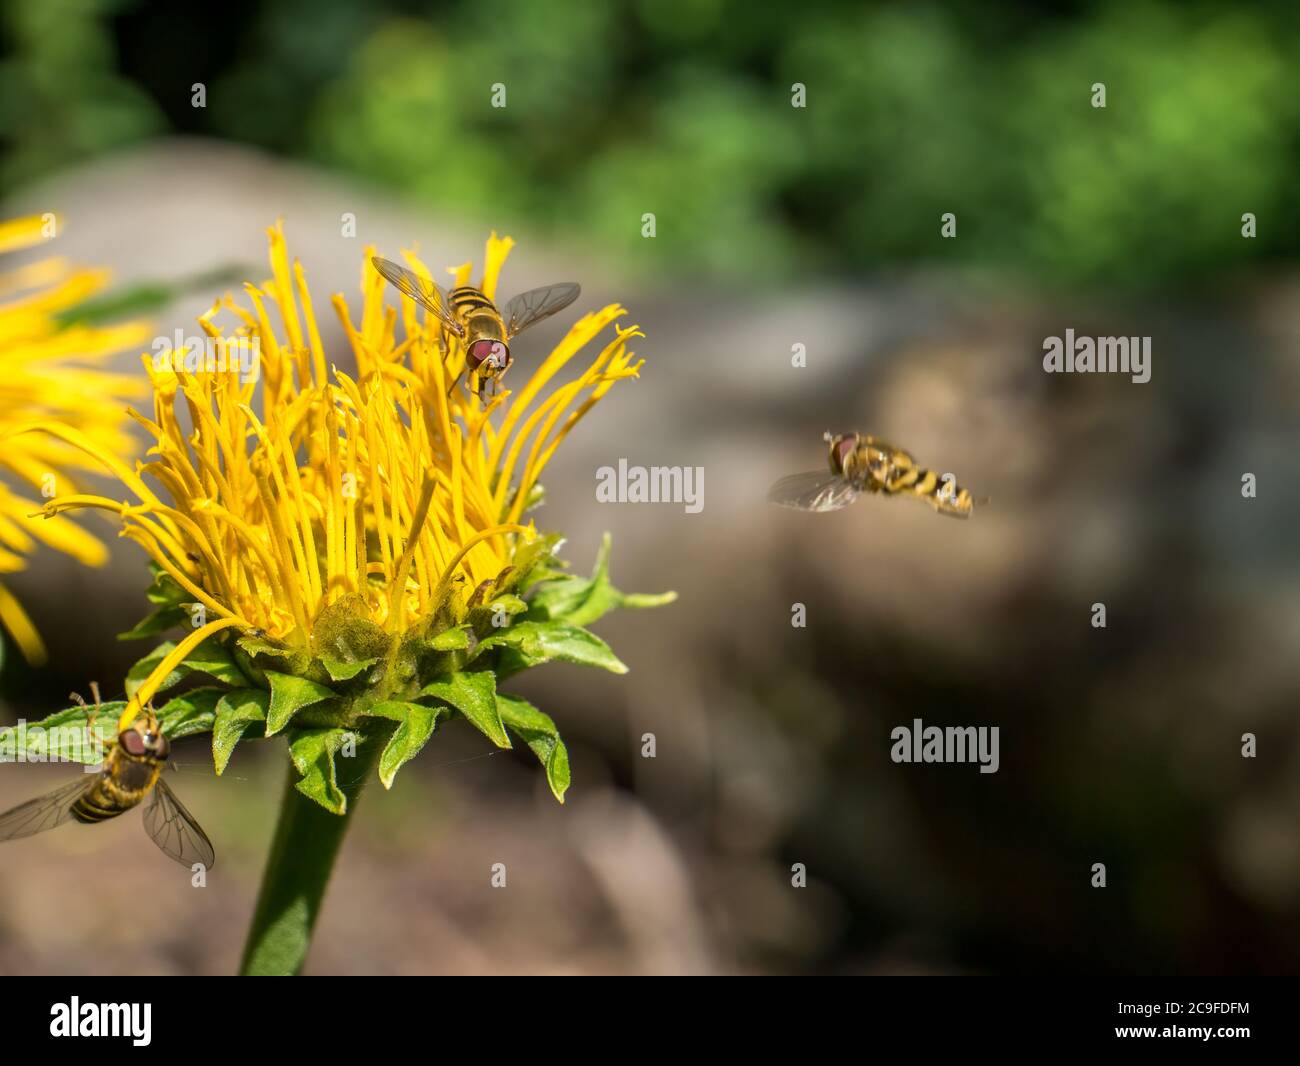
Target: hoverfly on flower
x=860, y=463
x=484, y=332
x=132, y=770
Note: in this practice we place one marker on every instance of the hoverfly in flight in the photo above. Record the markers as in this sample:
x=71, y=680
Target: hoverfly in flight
x=484, y=332
x=858, y=464
x=132, y=770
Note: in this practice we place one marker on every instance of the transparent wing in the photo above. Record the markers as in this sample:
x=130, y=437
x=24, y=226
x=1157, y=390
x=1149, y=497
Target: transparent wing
x=174, y=829
x=536, y=304
x=44, y=812
x=817, y=490
x=425, y=293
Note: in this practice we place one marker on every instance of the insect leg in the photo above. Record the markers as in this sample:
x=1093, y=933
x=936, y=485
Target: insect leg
x=446, y=355
x=92, y=717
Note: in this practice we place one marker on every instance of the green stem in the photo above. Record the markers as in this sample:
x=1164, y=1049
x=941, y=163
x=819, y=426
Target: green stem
x=307, y=840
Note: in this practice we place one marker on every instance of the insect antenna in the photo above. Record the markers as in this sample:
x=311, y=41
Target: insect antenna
x=93, y=716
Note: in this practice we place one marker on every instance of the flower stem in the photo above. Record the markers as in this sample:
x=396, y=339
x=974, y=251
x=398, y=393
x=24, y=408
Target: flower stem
x=307, y=840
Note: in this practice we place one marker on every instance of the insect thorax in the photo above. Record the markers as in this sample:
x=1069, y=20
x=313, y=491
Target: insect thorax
x=468, y=302
x=485, y=326
x=129, y=775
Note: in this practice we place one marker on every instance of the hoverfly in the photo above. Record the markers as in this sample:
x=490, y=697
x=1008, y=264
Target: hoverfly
x=484, y=331
x=132, y=770
x=858, y=464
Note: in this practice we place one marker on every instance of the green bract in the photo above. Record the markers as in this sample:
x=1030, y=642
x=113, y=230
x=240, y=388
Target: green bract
x=360, y=684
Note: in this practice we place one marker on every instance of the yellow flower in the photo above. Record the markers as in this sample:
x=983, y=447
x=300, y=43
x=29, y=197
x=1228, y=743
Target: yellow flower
x=378, y=492
x=47, y=372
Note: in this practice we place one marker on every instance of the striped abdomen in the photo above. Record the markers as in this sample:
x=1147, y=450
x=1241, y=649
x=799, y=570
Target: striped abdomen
x=943, y=495
x=468, y=302
x=122, y=787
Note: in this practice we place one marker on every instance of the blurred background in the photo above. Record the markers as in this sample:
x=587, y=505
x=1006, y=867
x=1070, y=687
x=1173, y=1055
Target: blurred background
x=775, y=226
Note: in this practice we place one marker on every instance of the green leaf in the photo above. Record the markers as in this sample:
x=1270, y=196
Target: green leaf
x=345, y=669
x=508, y=604
x=473, y=693
x=415, y=725
x=79, y=715
x=263, y=652
x=215, y=660
x=532, y=559
x=236, y=713
x=534, y=643
x=160, y=621
x=456, y=639
x=313, y=752
x=137, y=675
x=208, y=658
x=539, y=733
x=496, y=614
x=289, y=695
x=61, y=736
x=581, y=601
x=143, y=298
x=164, y=591
x=194, y=712
x=260, y=645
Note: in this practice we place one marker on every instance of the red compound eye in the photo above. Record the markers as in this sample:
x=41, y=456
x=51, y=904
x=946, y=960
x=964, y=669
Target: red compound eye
x=132, y=741
x=844, y=449
x=490, y=352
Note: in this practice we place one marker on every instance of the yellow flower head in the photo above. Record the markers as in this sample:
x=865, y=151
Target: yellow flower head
x=48, y=371
x=380, y=496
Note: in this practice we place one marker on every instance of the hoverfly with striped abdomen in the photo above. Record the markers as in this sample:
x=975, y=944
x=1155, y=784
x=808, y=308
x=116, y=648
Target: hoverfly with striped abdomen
x=858, y=464
x=484, y=332
x=132, y=769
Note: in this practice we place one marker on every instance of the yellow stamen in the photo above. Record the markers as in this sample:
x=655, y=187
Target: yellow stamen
x=261, y=523
x=169, y=663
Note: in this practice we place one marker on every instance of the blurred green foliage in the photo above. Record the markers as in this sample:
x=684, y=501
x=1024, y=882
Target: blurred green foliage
x=61, y=98
x=683, y=108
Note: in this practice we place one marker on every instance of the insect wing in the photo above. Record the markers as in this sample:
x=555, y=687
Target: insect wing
x=816, y=490
x=425, y=293
x=42, y=813
x=174, y=829
x=536, y=304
